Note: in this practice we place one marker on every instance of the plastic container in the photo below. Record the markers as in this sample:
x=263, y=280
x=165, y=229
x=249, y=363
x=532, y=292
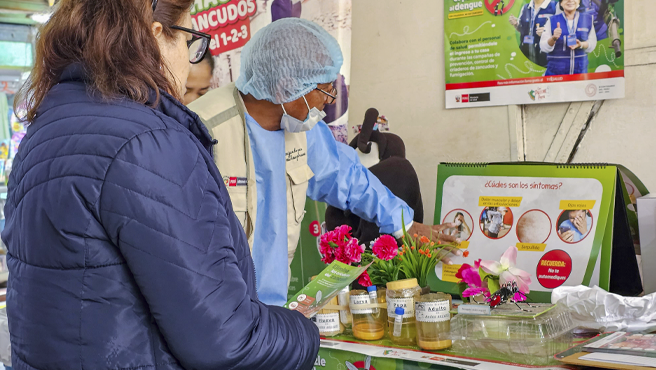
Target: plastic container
x=511, y=335
x=398, y=322
x=345, y=315
x=367, y=325
x=403, y=293
x=433, y=316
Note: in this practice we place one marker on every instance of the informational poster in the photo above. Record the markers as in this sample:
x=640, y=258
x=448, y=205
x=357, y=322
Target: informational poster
x=500, y=52
x=565, y=220
x=232, y=23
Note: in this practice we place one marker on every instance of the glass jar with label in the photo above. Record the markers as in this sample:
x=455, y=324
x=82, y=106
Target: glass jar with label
x=328, y=321
x=403, y=293
x=366, y=324
x=432, y=313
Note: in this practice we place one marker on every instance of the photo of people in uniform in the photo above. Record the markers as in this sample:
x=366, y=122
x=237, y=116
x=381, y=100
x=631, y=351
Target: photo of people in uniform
x=560, y=34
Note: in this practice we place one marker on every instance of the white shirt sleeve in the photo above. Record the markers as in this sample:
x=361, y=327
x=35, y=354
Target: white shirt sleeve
x=592, y=39
x=544, y=39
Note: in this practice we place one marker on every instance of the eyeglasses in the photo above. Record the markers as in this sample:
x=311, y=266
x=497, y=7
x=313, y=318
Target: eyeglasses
x=198, y=44
x=332, y=94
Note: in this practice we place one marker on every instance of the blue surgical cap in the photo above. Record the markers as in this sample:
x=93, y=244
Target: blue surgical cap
x=287, y=59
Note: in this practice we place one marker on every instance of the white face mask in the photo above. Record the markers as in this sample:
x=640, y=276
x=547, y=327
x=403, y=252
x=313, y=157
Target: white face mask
x=291, y=124
x=458, y=222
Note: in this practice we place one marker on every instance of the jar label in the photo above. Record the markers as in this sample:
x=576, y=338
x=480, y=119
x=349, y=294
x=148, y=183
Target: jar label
x=407, y=304
x=432, y=311
x=361, y=299
x=327, y=322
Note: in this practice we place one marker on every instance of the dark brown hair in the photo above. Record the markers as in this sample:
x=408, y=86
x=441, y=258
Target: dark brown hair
x=113, y=39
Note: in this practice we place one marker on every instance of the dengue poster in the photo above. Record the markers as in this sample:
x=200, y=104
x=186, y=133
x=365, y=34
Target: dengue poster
x=232, y=23
x=552, y=221
x=501, y=52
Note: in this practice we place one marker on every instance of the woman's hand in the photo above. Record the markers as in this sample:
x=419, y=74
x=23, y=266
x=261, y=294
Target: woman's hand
x=556, y=35
x=539, y=30
x=567, y=236
x=581, y=224
x=513, y=20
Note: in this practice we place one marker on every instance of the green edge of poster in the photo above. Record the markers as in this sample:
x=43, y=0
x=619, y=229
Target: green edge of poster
x=307, y=260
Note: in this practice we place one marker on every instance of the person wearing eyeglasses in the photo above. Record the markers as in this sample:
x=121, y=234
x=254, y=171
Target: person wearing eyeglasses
x=123, y=248
x=274, y=150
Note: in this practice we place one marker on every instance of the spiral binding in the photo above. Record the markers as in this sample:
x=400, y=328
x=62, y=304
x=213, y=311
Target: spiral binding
x=583, y=166
x=457, y=164
x=558, y=165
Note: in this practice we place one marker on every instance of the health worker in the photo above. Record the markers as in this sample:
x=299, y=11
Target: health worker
x=568, y=38
x=274, y=150
x=530, y=25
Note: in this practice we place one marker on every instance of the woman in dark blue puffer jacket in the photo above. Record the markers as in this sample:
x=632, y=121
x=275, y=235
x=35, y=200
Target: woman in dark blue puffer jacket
x=124, y=251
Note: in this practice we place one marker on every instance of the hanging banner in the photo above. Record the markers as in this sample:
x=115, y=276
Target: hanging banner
x=500, y=52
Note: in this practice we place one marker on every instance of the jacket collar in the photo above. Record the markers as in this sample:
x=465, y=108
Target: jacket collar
x=168, y=105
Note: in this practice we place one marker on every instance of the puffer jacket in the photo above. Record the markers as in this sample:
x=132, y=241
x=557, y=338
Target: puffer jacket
x=124, y=251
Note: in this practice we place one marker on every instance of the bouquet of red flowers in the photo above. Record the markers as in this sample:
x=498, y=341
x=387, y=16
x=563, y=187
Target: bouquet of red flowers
x=340, y=245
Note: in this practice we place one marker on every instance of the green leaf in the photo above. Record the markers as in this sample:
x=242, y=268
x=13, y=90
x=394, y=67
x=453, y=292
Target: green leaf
x=493, y=285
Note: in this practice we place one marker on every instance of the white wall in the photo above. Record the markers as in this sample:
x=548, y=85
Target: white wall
x=398, y=68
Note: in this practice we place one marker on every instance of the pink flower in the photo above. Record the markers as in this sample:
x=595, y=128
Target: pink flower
x=327, y=253
x=342, y=234
x=353, y=251
x=340, y=255
x=507, y=272
x=385, y=247
x=471, y=276
x=364, y=280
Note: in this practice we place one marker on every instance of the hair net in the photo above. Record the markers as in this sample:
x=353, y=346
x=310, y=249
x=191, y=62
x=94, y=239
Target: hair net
x=287, y=59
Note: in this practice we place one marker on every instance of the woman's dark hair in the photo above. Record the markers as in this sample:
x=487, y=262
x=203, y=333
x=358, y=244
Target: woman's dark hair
x=114, y=42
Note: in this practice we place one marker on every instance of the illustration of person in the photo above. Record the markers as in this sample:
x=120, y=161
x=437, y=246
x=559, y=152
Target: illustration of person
x=568, y=38
x=576, y=226
x=496, y=221
x=530, y=25
x=461, y=231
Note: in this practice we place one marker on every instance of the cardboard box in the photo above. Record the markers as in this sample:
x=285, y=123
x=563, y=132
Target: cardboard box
x=647, y=226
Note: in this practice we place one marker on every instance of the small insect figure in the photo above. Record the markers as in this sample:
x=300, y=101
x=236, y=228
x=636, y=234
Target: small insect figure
x=360, y=365
x=509, y=292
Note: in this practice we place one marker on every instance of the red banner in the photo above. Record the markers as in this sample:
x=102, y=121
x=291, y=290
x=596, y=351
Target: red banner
x=536, y=80
x=229, y=24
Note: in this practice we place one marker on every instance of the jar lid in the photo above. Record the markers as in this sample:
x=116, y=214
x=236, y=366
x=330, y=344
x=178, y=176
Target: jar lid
x=402, y=284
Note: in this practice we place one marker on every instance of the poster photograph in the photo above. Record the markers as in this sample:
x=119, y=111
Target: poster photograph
x=501, y=52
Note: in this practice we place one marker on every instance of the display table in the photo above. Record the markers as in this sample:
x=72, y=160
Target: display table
x=345, y=352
